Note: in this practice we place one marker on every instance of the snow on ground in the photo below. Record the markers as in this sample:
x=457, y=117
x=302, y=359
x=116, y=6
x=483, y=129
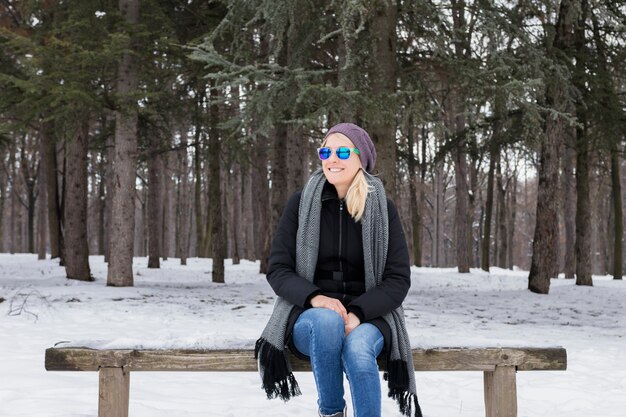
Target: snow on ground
x=178, y=306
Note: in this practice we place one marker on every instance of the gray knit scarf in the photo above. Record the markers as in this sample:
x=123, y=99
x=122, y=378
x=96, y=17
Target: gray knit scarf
x=270, y=350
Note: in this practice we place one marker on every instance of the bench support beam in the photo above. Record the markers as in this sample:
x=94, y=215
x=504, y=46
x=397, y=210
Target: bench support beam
x=501, y=392
x=114, y=392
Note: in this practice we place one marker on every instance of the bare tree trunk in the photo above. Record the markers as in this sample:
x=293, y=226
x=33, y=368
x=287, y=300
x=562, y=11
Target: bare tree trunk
x=546, y=228
x=49, y=160
x=618, y=230
x=120, y=271
x=486, y=242
x=108, y=177
x=279, y=190
x=262, y=224
x=13, y=210
x=155, y=208
x=382, y=79
x=583, y=213
x=75, y=211
x=439, y=197
x=247, y=213
x=583, y=203
x=218, y=241
x=462, y=221
x=167, y=206
x=197, y=169
x=512, y=220
x=569, y=211
x=41, y=215
x=502, y=241
x=416, y=214
x=296, y=143
x=3, y=196
x=30, y=178
x=616, y=192
x=236, y=222
x=183, y=214
x=102, y=208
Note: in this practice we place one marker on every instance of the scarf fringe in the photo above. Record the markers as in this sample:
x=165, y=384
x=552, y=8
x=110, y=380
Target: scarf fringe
x=397, y=377
x=278, y=380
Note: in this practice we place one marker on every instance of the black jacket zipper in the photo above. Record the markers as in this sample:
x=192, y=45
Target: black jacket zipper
x=340, y=229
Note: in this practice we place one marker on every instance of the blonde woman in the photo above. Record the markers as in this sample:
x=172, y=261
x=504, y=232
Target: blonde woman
x=339, y=265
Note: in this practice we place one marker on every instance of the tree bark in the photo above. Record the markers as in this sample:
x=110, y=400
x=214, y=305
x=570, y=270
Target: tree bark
x=29, y=176
x=486, y=242
x=583, y=212
x=197, y=170
x=618, y=230
x=263, y=228
x=155, y=208
x=569, y=210
x=13, y=231
x=49, y=159
x=439, y=211
x=462, y=221
x=416, y=214
x=183, y=214
x=236, y=218
x=120, y=271
x=218, y=241
x=102, y=208
x=546, y=228
x=108, y=177
x=502, y=241
x=41, y=215
x=382, y=76
x=247, y=212
x=3, y=196
x=583, y=203
x=616, y=187
x=75, y=210
x=512, y=221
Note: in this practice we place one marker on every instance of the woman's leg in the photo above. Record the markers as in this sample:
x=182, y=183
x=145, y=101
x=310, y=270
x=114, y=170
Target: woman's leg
x=360, y=350
x=319, y=334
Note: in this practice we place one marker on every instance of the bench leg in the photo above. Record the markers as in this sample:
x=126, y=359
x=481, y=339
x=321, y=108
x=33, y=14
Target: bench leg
x=114, y=392
x=501, y=392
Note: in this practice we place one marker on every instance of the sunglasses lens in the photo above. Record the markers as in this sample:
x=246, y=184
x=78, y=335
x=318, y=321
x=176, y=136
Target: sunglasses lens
x=343, y=153
x=324, y=153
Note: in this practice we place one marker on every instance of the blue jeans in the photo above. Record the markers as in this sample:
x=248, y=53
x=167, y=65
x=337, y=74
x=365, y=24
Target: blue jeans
x=319, y=334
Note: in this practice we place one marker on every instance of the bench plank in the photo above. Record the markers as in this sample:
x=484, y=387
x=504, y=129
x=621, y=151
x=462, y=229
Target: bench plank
x=438, y=359
x=499, y=366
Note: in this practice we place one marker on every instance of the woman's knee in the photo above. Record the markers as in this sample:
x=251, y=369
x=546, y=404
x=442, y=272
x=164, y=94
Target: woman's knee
x=323, y=325
x=363, y=345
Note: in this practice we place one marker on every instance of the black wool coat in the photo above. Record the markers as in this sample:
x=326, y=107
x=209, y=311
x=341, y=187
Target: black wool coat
x=340, y=264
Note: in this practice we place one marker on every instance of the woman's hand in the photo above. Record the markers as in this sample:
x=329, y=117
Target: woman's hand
x=321, y=301
x=352, y=323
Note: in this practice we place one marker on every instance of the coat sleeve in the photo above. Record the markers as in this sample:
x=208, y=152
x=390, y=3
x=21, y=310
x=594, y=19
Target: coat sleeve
x=396, y=281
x=281, y=273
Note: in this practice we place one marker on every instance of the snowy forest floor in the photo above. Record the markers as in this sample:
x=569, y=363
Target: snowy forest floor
x=178, y=306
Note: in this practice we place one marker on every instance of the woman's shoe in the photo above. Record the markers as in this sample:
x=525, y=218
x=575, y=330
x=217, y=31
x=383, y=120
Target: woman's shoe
x=337, y=414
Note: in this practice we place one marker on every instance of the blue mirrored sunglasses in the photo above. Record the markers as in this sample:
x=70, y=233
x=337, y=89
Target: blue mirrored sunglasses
x=342, y=152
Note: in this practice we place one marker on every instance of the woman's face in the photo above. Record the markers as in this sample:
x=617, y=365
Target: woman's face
x=340, y=172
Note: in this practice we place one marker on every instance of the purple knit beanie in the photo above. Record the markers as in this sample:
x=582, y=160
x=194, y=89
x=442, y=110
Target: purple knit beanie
x=361, y=141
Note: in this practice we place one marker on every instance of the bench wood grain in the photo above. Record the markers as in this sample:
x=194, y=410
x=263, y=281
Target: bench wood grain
x=499, y=365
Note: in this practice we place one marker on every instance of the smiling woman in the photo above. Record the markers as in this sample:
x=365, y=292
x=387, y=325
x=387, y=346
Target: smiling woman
x=340, y=172
x=340, y=280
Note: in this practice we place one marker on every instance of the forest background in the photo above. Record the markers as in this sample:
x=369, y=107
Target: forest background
x=171, y=128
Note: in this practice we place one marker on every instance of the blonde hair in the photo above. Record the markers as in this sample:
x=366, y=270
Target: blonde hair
x=357, y=195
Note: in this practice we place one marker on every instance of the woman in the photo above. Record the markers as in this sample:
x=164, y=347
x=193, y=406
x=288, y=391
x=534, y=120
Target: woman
x=340, y=267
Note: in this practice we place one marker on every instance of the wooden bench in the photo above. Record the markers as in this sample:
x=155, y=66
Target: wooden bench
x=115, y=365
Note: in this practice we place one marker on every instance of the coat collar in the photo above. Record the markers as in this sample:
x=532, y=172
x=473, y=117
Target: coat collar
x=329, y=192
